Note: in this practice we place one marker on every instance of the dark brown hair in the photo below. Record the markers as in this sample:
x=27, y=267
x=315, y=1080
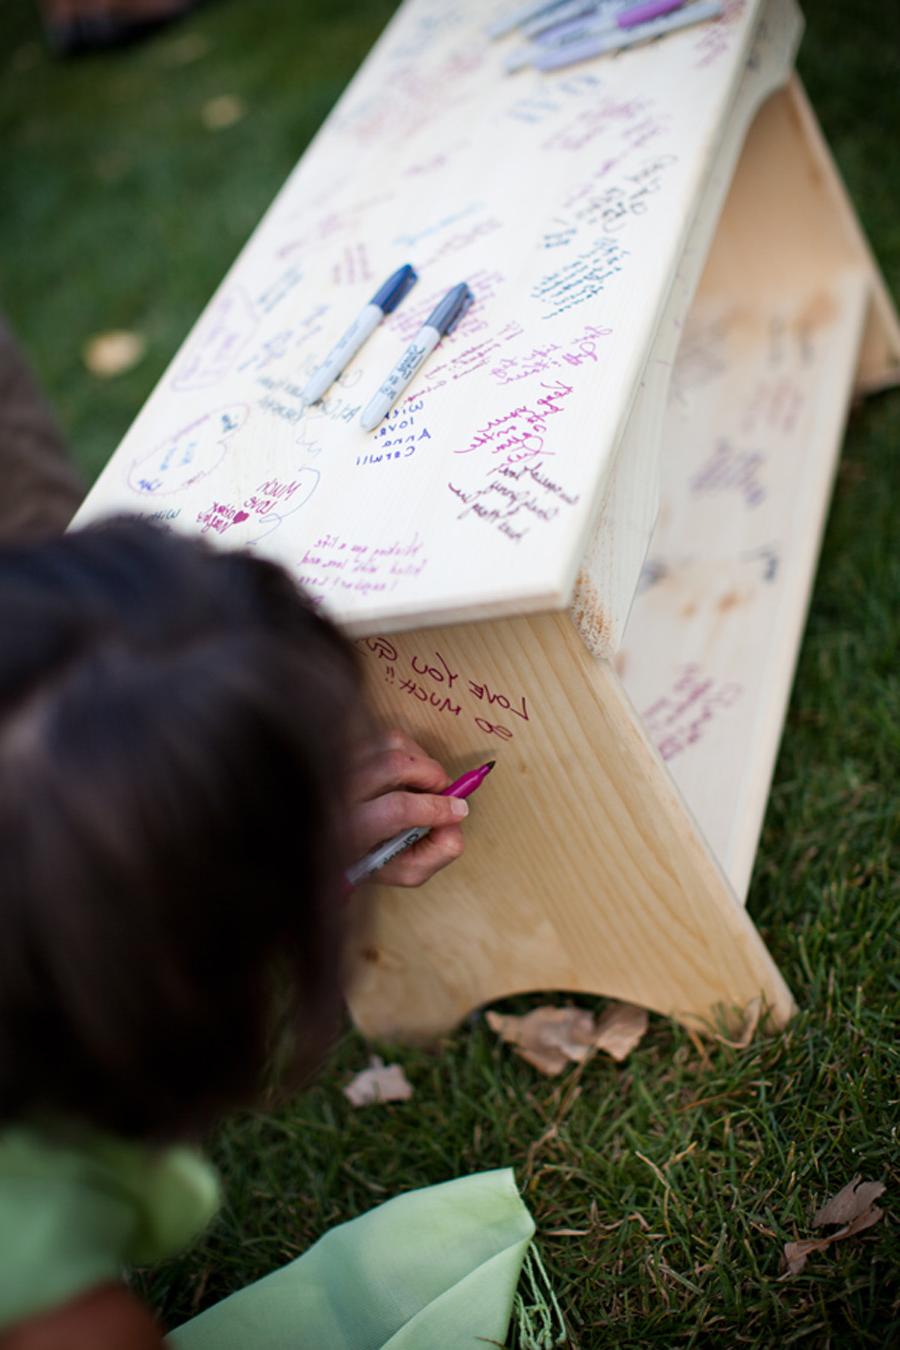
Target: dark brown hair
x=174, y=731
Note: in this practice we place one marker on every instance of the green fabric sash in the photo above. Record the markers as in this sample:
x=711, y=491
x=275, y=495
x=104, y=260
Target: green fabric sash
x=433, y=1269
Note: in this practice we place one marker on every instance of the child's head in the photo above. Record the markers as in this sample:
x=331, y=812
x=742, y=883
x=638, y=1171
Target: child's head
x=174, y=735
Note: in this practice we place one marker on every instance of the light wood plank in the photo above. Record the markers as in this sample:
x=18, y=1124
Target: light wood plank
x=608, y=579
x=753, y=430
x=711, y=646
x=565, y=201
x=583, y=869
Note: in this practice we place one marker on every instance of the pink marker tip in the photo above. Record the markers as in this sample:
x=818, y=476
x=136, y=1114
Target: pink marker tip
x=472, y=779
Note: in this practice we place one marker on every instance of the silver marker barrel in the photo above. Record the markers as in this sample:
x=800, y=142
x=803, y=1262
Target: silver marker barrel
x=385, y=299
x=442, y=320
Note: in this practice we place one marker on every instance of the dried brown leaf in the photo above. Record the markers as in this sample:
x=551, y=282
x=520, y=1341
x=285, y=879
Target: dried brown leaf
x=620, y=1028
x=379, y=1083
x=796, y=1254
x=112, y=353
x=551, y=1038
x=860, y=1223
x=852, y=1207
x=221, y=112
x=856, y=1198
x=547, y=1038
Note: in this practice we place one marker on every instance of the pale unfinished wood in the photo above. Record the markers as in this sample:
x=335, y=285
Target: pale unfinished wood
x=583, y=869
x=580, y=208
x=767, y=360
x=608, y=578
x=566, y=202
x=879, y=362
x=752, y=436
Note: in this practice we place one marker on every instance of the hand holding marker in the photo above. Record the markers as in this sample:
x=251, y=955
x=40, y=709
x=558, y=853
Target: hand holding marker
x=441, y=321
x=384, y=301
x=384, y=853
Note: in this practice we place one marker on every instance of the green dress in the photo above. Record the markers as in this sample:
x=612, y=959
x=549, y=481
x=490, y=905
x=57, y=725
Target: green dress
x=432, y=1268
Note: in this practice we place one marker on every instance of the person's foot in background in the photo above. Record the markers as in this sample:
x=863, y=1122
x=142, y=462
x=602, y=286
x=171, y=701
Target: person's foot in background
x=86, y=25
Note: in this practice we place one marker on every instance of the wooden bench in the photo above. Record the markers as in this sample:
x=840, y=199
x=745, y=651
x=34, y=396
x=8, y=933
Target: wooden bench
x=583, y=544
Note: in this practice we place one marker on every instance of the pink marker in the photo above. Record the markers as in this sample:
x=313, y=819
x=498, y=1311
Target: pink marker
x=596, y=41
x=654, y=9
x=384, y=853
x=577, y=28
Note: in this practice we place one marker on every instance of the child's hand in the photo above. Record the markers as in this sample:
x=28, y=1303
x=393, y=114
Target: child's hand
x=384, y=806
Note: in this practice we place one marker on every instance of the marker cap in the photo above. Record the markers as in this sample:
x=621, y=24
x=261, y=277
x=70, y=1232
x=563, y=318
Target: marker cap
x=448, y=312
x=388, y=296
x=653, y=9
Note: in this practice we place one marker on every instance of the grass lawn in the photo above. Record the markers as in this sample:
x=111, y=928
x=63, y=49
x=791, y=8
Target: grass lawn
x=683, y=1173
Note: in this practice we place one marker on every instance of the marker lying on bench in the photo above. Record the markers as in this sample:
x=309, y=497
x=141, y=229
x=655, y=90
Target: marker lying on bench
x=384, y=301
x=573, y=42
x=441, y=321
x=386, y=852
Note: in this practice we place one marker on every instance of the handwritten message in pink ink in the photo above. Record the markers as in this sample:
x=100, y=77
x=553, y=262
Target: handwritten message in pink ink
x=262, y=511
x=517, y=490
x=684, y=715
x=414, y=94
x=552, y=356
x=335, y=564
x=702, y=356
x=773, y=406
x=717, y=38
x=408, y=318
x=219, y=339
x=516, y=500
x=331, y=225
x=520, y=433
x=472, y=358
x=594, y=122
x=220, y=516
x=353, y=268
x=432, y=677
x=729, y=469
x=432, y=163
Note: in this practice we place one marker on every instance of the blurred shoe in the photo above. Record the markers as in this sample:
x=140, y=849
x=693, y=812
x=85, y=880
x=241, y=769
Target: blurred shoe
x=74, y=26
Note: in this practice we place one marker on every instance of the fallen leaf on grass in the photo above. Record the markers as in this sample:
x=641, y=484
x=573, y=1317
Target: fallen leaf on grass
x=551, y=1038
x=621, y=1027
x=856, y=1198
x=108, y=354
x=853, y=1208
x=219, y=113
x=380, y=1082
